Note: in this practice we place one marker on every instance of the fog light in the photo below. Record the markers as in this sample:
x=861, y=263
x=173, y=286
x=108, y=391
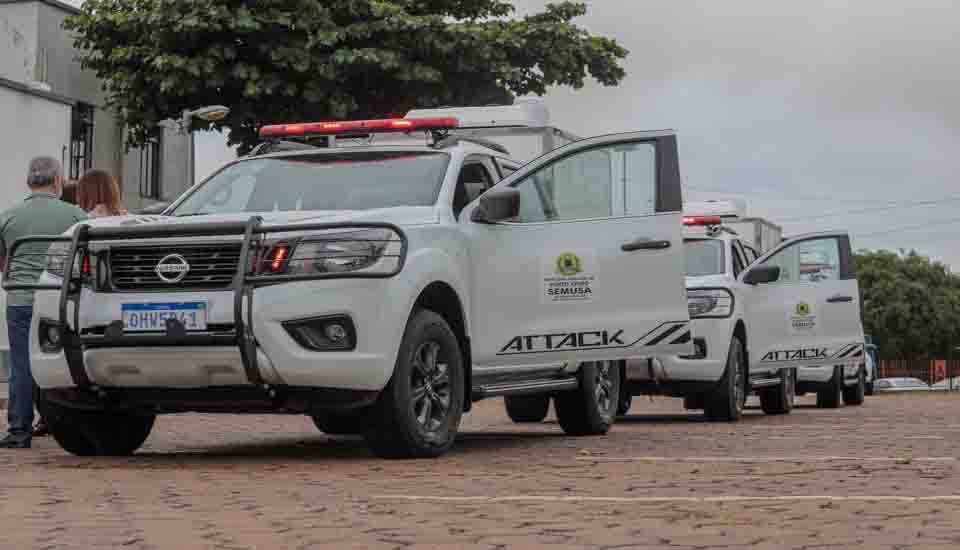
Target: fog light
x=699, y=349
x=334, y=333
x=51, y=336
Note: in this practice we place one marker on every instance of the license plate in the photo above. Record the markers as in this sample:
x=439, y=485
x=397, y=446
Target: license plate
x=153, y=316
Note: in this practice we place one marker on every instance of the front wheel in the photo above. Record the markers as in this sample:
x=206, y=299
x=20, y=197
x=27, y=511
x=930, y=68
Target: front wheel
x=418, y=413
x=779, y=399
x=97, y=433
x=726, y=403
x=527, y=408
x=626, y=398
x=591, y=409
x=853, y=395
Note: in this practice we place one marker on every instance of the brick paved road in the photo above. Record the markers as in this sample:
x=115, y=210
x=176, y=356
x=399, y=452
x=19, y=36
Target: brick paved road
x=663, y=479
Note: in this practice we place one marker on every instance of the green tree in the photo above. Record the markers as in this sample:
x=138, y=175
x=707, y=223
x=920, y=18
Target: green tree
x=911, y=305
x=275, y=61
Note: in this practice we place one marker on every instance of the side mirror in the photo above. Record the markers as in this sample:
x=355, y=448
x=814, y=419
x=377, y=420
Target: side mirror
x=497, y=205
x=762, y=274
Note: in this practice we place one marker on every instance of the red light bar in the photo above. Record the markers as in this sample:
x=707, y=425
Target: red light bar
x=377, y=126
x=702, y=220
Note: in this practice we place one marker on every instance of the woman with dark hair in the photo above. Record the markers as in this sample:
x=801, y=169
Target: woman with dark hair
x=99, y=195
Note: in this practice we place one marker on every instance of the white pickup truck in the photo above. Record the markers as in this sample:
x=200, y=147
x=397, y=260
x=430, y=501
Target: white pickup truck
x=758, y=319
x=380, y=289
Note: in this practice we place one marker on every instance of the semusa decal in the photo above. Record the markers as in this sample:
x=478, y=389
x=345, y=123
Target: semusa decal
x=801, y=317
x=569, y=276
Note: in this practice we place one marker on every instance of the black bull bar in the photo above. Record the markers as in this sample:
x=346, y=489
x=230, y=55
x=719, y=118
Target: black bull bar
x=245, y=280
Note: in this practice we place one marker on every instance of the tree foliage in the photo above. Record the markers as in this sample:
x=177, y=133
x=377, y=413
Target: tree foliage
x=280, y=60
x=911, y=305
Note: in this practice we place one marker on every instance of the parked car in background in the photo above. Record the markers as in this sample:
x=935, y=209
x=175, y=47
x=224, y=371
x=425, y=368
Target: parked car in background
x=947, y=384
x=891, y=385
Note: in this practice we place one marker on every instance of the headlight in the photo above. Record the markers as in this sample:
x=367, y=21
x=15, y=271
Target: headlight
x=709, y=303
x=373, y=251
x=83, y=264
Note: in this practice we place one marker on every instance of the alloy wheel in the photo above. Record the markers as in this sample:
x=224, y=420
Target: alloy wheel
x=430, y=386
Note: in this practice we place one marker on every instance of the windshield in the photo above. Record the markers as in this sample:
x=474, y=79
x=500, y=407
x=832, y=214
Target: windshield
x=347, y=181
x=704, y=257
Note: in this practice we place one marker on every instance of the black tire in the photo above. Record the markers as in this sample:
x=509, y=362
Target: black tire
x=591, y=409
x=779, y=398
x=94, y=433
x=343, y=422
x=853, y=395
x=429, y=373
x=625, y=402
x=828, y=397
x=626, y=398
x=527, y=408
x=726, y=403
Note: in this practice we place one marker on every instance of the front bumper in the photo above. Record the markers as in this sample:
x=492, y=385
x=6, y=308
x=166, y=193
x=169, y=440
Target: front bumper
x=246, y=346
x=671, y=368
x=818, y=374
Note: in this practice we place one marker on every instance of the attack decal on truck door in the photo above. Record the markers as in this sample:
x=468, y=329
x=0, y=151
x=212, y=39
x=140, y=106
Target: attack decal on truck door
x=847, y=352
x=673, y=333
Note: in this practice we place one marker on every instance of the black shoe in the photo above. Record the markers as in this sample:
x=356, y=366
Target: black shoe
x=41, y=429
x=15, y=442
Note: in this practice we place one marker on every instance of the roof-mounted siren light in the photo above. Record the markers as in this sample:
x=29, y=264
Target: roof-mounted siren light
x=729, y=208
x=702, y=220
x=524, y=113
x=361, y=127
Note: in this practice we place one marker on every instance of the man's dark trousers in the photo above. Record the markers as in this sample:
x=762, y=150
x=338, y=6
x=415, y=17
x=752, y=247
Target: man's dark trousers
x=20, y=407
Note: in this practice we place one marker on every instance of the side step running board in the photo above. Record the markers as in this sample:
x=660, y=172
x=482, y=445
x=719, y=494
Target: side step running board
x=528, y=387
x=765, y=381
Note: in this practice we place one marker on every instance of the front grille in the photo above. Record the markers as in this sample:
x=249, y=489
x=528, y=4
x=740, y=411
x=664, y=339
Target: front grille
x=211, y=267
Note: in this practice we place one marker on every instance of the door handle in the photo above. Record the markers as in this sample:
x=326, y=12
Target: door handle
x=645, y=244
x=839, y=299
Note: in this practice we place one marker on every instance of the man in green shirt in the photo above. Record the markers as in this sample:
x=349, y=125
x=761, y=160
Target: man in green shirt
x=41, y=213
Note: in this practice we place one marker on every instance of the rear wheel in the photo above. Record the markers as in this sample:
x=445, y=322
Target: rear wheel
x=527, y=408
x=828, y=397
x=418, y=413
x=779, y=398
x=97, y=433
x=727, y=402
x=853, y=395
x=591, y=409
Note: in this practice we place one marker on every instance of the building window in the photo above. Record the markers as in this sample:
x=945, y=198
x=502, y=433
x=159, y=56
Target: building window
x=81, y=140
x=150, y=160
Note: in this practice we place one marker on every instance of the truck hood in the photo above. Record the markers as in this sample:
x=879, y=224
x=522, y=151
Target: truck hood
x=401, y=215
x=710, y=281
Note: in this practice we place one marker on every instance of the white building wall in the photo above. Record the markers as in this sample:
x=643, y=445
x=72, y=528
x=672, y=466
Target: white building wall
x=43, y=128
x=18, y=41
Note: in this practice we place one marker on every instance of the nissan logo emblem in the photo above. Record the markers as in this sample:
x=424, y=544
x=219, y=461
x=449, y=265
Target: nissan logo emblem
x=172, y=268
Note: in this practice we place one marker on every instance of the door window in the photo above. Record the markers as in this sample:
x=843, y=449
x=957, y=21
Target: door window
x=738, y=259
x=811, y=260
x=607, y=181
x=474, y=180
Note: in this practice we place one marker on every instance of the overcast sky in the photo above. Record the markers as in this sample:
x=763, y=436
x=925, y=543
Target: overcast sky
x=801, y=108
